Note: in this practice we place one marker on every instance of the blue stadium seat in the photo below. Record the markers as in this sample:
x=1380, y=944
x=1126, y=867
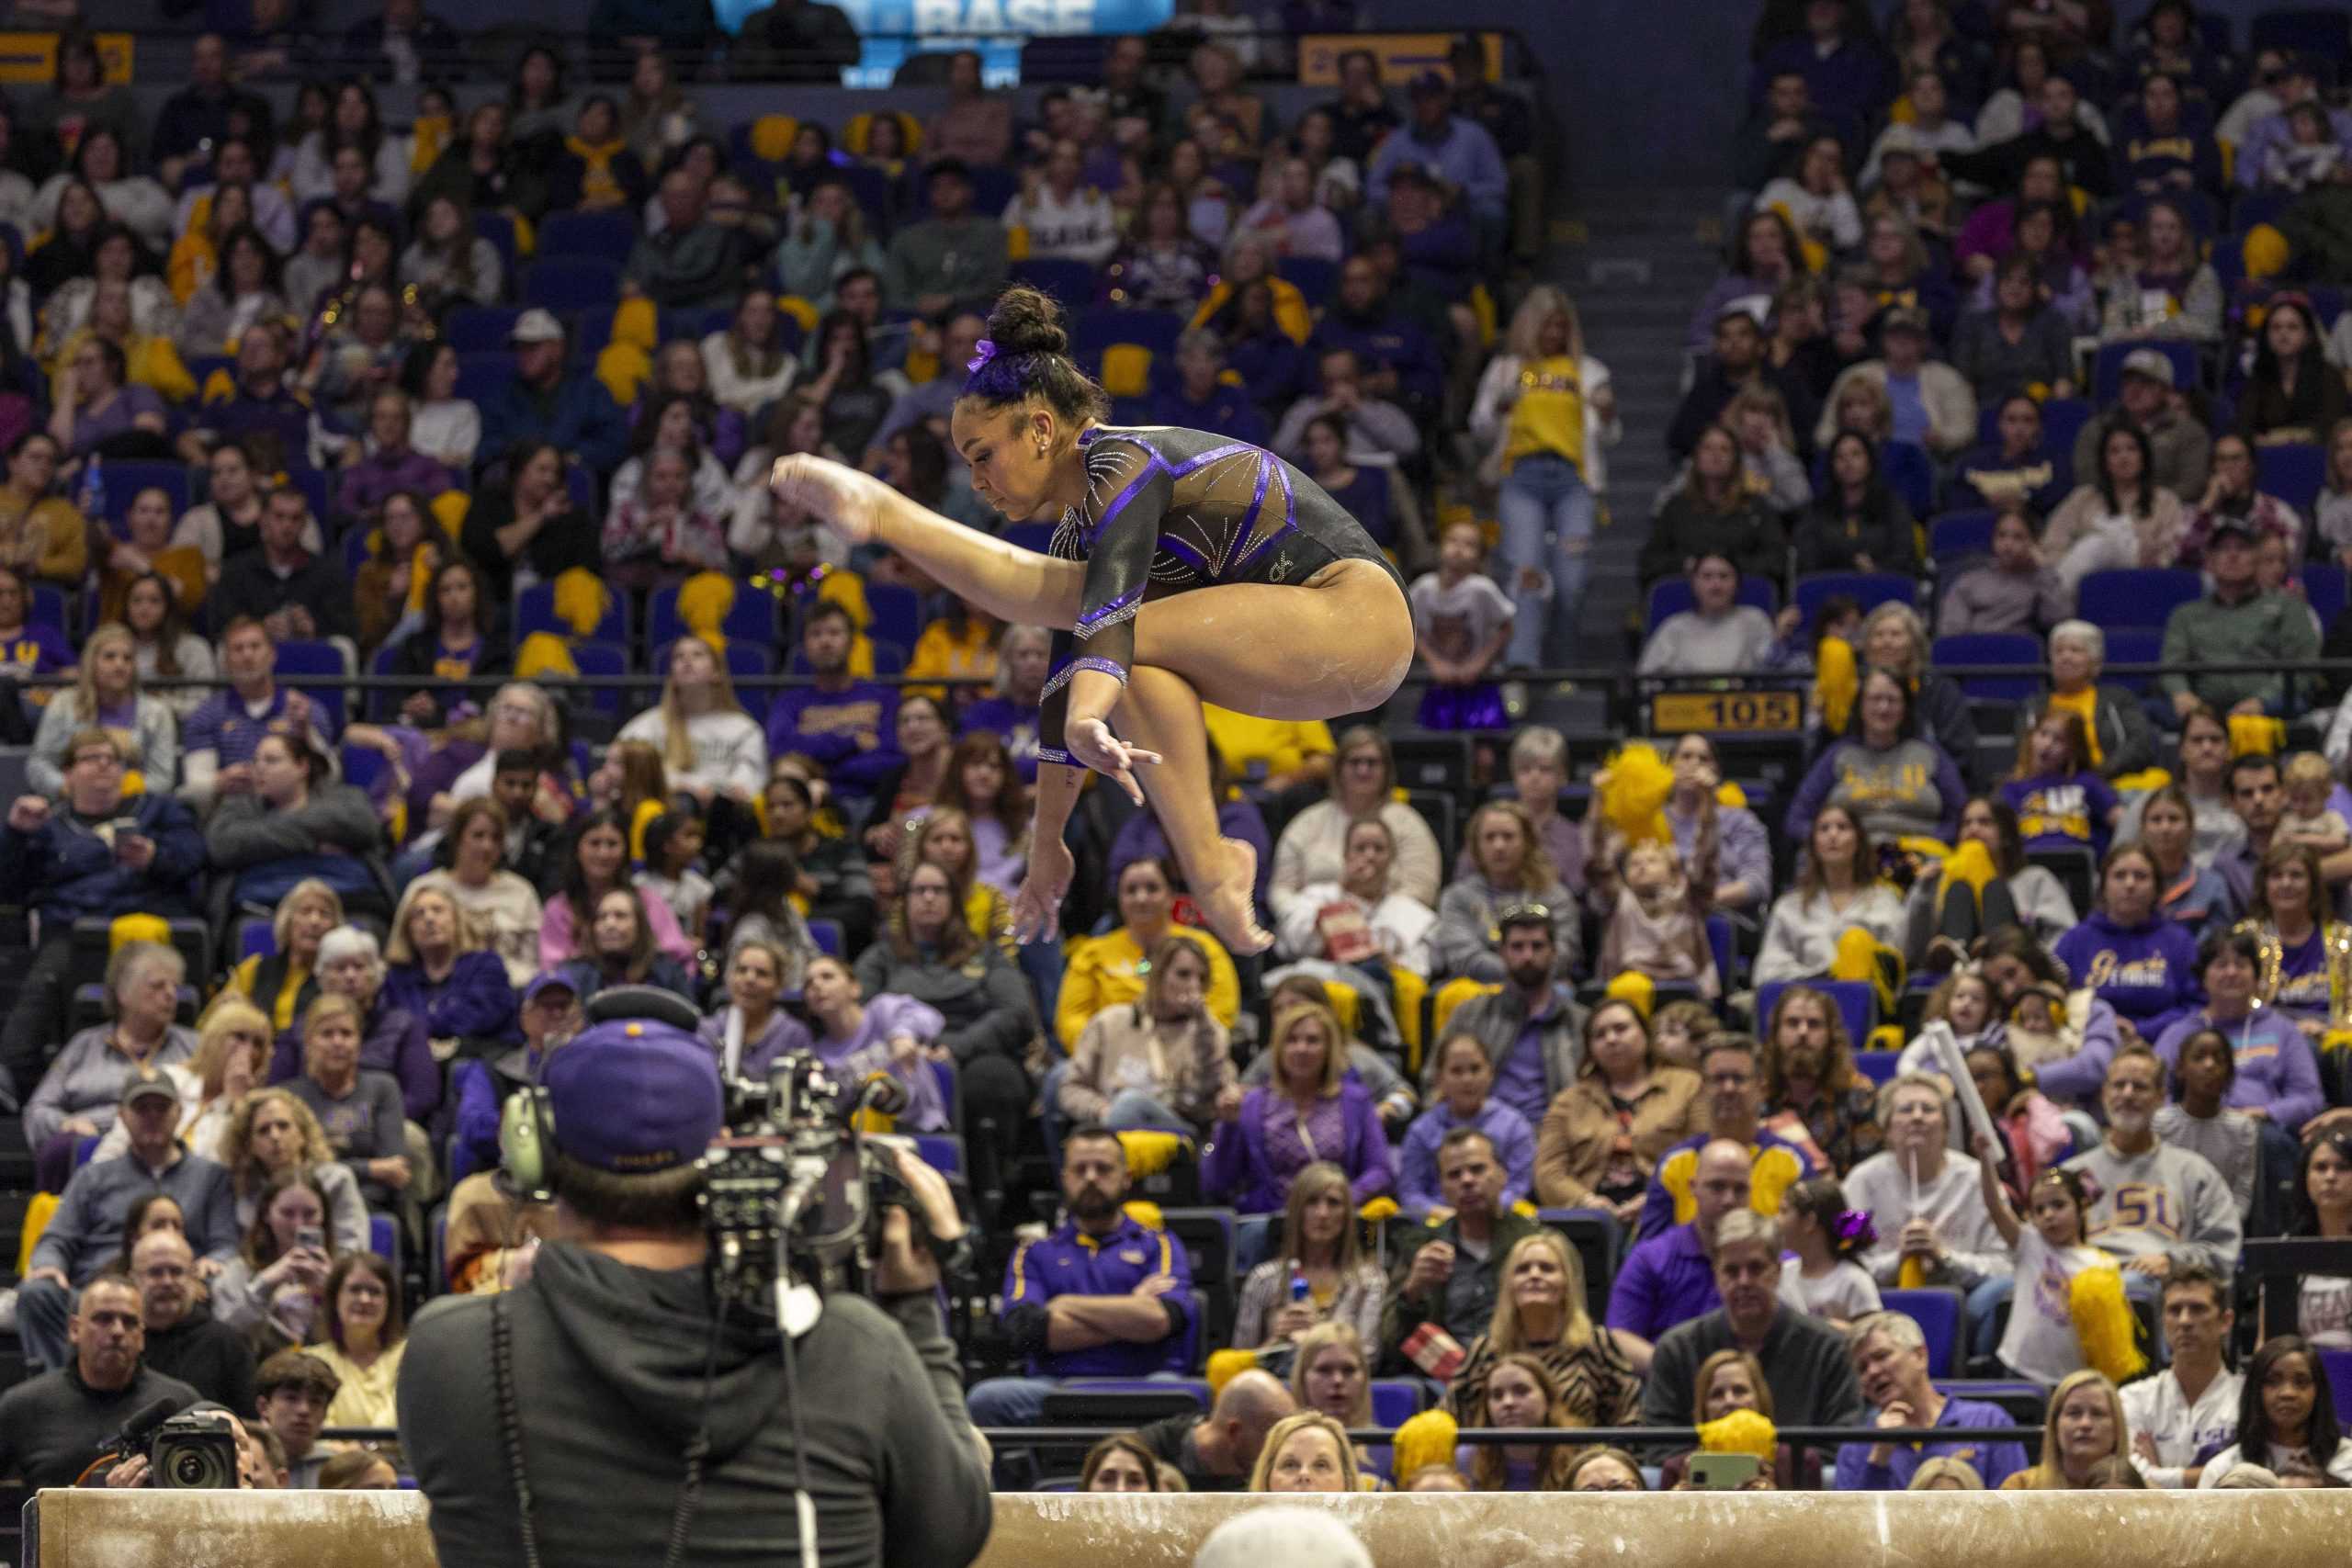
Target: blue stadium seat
x=1396, y=1401
x=1937, y=1309
x=564, y=283
x=753, y=617
x=2324, y=589
x=317, y=668
x=125, y=479
x=943, y=1151
x=2337, y=1365
x=2106, y=370
x=603, y=235
x=2136, y=596
x=1870, y=589
x=1857, y=1004
x=485, y=375
x=1312, y=276
x=1877, y=1065
x=1722, y=943
x=1099, y=327
x=898, y=614
x=1037, y=537
x=255, y=938
x=1991, y=647
x=1956, y=536
x=499, y=230
x=597, y=659
x=1073, y=283
x=2293, y=472
x=827, y=935
x=1671, y=596
x=2133, y=644
x=481, y=329
x=2323, y=30
x=2062, y=420
x=318, y=492
x=50, y=607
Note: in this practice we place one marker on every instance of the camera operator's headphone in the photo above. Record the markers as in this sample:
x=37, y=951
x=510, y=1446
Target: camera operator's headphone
x=527, y=1131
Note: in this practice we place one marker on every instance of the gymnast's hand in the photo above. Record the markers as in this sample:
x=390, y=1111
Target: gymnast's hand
x=834, y=493
x=1036, y=908
x=1091, y=741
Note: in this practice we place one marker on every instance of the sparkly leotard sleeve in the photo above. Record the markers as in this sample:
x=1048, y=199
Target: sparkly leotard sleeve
x=1169, y=510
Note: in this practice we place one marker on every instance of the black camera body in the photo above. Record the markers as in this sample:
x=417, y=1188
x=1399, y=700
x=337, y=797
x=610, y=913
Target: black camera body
x=195, y=1450
x=791, y=1185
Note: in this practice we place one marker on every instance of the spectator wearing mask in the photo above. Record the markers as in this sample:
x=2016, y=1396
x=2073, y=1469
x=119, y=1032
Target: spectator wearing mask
x=1804, y=1360
x=1890, y=1362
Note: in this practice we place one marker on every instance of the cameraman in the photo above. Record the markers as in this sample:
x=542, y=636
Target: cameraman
x=609, y=1341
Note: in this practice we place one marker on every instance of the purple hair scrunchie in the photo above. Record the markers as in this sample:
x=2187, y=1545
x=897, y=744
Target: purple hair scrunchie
x=1855, y=1230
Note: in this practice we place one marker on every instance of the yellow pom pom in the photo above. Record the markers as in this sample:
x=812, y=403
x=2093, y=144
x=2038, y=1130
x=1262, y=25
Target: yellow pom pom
x=1835, y=680
x=137, y=927
x=582, y=600
x=2267, y=252
x=704, y=600
x=1636, y=989
x=2104, y=1323
x=449, y=509
x=772, y=137
x=544, y=654
x=1149, y=1151
x=2253, y=733
x=1427, y=1438
x=1741, y=1432
x=1226, y=1365
x=1379, y=1210
x=1633, y=787
x=637, y=323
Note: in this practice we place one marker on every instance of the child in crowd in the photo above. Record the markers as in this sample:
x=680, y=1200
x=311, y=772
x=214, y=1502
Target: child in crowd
x=2059, y=799
x=2308, y=783
x=2202, y=1075
x=1681, y=1031
x=1658, y=927
x=1465, y=1082
x=2309, y=156
x=1461, y=626
x=2012, y=592
x=673, y=843
x=1827, y=1236
x=2050, y=1311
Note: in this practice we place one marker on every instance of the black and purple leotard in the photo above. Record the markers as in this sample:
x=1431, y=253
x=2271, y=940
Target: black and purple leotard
x=1169, y=510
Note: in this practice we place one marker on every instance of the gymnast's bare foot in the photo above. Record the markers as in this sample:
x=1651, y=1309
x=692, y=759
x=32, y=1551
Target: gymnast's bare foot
x=1226, y=901
x=836, y=495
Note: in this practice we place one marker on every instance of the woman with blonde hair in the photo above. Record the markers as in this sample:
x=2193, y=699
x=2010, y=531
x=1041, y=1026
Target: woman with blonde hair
x=943, y=836
x=2085, y=1424
x=232, y=1058
x=711, y=749
x=1945, y=1474
x=1541, y=1310
x=1543, y=409
x=106, y=695
x=1509, y=866
x=1319, y=1274
x=358, y=1107
x=1733, y=1379
x=1759, y=415
x=1520, y=1392
x=1332, y=1374
x=270, y=1132
x=440, y=970
x=1307, y=1452
x=1311, y=1111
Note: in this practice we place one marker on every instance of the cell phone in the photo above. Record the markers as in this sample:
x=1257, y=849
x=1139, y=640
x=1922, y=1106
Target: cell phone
x=1724, y=1472
x=312, y=1237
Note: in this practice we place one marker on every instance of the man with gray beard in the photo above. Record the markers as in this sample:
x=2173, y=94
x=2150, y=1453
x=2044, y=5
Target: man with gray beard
x=2155, y=1205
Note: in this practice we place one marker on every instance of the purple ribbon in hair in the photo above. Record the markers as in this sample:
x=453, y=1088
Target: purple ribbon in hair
x=1854, y=1228
x=984, y=352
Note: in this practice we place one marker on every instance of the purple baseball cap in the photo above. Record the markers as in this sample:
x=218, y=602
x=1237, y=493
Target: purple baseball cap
x=634, y=1097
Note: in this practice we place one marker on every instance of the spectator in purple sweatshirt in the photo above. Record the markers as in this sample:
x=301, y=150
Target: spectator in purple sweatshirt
x=2277, y=1081
x=2129, y=954
x=858, y=1034
x=1312, y=1110
x=845, y=726
x=444, y=971
x=2069, y=1055
x=1670, y=1278
x=392, y=1039
x=1399, y=361
x=388, y=465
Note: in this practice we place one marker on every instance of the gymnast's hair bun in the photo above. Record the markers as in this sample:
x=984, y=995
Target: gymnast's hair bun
x=1026, y=320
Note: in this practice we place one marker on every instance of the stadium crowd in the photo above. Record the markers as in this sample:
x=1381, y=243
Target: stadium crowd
x=1939, y=1087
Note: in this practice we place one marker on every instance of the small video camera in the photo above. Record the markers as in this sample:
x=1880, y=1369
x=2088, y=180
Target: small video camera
x=194, y=1451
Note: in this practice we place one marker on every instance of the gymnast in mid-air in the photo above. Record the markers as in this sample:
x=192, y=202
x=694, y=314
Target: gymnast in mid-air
x=1185, y=568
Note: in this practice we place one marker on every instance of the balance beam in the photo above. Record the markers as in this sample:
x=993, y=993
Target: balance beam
x=1673, y=1529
